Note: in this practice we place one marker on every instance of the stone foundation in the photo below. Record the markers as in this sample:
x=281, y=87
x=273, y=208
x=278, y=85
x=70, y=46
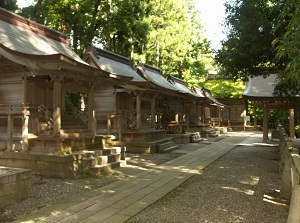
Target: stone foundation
x=15, y=185
x=181, y=138
x=42, y=164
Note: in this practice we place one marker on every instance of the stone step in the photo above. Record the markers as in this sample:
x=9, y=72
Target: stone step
x=169, y=149
x=209, y=133
x=99, y=152
x=111, y=158
x=164, y=145
x=195, y=137
x=98, y=170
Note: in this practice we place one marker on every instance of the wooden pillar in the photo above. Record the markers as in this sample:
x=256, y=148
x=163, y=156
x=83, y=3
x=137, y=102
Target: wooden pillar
x=292, y=123
x=220, y=115
x=265, y=122
x=176, y=112
x=25, y=118
x=187, y=118
x=211, y=117
x=9, y=132
x=153, y=112
x=255, y=114
x=197, y=113
x=47, y=95
x=229, y=117
x=138, y=111
x=118, y=118
x=108, y=125
x=25, y=91
x=91, y=110
x=25, y=130
x=246, y=107
x=57, y=104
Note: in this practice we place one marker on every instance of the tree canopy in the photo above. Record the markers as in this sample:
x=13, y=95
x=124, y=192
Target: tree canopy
x=165, y=34
x=225, y=88
x=10, y=5
x=249, y=49
x=288, y=48
x=262, y=38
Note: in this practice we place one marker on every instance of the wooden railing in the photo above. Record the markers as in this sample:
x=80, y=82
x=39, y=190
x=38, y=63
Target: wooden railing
x=46, y=114
x=129, y=117
x=82, y=115
x=12, y=109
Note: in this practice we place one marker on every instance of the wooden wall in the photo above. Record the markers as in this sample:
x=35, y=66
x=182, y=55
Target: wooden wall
x=11, y=90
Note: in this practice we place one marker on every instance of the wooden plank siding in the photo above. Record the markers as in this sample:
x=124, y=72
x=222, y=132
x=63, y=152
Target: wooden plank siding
x=11, y=91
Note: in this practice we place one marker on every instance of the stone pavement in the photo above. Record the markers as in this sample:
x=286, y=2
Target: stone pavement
x=119, y=201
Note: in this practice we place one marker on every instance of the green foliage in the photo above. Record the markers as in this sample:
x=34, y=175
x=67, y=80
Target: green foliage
x=10, y=5
x=165, y=34
x=248, y=51
x=288, y=48
x=165, y=48
x=225, y=88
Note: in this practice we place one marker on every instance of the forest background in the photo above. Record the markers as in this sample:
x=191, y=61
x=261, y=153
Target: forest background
x=262, y=37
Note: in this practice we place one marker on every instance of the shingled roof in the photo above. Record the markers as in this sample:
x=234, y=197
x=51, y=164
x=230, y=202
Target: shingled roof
x=260, y=87
x=207, y=93
x=154, y=75
x=37, y=47
x=182, y=87
x=113, y=63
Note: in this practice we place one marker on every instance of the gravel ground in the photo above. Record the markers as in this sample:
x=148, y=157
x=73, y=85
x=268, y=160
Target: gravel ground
x=231, y=189
x=46, y=192
x=242, y=186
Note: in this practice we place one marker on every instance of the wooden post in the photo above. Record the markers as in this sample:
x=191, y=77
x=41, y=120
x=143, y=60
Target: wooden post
x=25, y=119
x=176, y=113
x=265, y=122
x=153, y=112
x=229, y=117
x=25, y=91
x=138, y=111
x=47, y=101
x=203, y=115
x=25, y=130
x=292, y=123
x=255, y=114
x=187, y=118
x=9, y=132
x=220, y=115
x=91, y=112
x=210, y=117
x=197, y=113
x=108, y=125
x=57, y=105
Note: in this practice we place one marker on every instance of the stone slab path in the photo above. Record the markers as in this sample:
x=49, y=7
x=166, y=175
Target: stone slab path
x=119, y=201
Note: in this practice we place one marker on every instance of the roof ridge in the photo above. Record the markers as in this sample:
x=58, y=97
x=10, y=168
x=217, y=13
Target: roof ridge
x=35, y=27
x=110, y=55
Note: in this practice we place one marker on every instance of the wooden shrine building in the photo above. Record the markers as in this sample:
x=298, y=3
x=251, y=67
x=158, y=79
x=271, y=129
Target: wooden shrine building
x=58, y=112
x=39, y=73
x=259, y=90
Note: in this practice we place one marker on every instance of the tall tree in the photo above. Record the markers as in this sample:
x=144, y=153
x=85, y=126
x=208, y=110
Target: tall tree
x=248, y=51
x=128, y=30
x=169, y=37
x=81, y=19
x=288, y=49
x=164, y=34
x=10, y=5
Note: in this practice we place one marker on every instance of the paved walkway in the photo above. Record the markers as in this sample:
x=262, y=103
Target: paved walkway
x=119, y=201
